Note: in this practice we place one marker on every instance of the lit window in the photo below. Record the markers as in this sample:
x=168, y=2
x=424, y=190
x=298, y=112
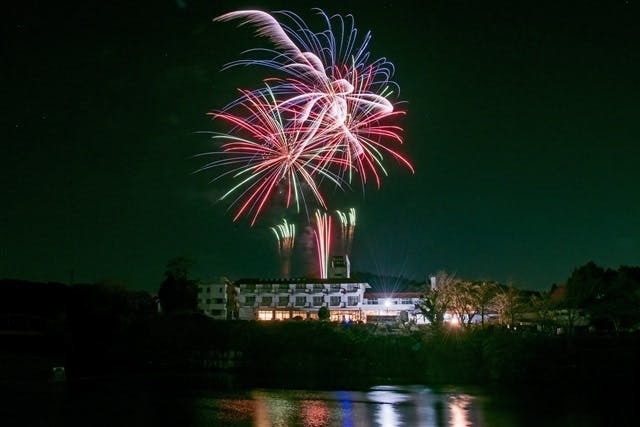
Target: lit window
x=282, y=315
x=265, y=315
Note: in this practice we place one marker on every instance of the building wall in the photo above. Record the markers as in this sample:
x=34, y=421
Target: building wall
x=340, y=267
x=300, y=299
x=392, y=307
x=212, y=297
x=285, y=299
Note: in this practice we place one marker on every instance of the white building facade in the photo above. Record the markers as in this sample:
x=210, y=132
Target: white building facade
x=399, y=307
x=283, y=299
x=212, y=297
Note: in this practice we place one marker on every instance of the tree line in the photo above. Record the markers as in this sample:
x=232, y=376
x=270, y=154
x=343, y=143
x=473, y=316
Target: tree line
x=608, y=298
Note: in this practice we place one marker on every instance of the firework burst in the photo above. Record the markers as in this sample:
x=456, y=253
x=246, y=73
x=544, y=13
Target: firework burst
x=266, y=158
x=326, y=117
x=330, y=87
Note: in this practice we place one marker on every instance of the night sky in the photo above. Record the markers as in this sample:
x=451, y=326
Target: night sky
x=522, y=124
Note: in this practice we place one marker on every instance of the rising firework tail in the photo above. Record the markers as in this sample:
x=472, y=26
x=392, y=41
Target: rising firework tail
x=322, y=233
x=347, y=223
x=285, y=235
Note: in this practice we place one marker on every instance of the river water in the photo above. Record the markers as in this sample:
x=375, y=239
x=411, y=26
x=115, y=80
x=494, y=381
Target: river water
x=99, y=403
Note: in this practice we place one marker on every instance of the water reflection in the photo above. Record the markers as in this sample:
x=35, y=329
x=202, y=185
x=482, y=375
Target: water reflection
x=123, y=404
x=379, y=406
x=419, y=406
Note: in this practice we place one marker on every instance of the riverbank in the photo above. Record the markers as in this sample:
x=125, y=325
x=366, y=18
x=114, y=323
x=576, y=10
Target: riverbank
x=196, y=352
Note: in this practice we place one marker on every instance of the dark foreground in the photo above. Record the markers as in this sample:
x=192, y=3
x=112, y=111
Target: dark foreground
x=315, y=355
x=163, y=402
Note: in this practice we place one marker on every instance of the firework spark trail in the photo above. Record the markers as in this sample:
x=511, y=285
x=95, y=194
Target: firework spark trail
x=332, y=87
x=347, y=228
x=330, y=110
x=285, y=234
x=294, y=60
x=269, y=158
x=368, y=145
x=309, y=56
x=316, y=66
x=322, y=234
x=327, y=118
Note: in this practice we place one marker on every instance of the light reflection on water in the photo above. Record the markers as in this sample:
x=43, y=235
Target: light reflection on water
x=380, y=406
x=100, y=403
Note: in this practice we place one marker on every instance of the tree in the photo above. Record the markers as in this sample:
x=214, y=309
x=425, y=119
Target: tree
x=178, y=268
x=485, y=295
x=618, y=305
x=177, y=293
x=471, y=299
x=585, y=286
x=507, y=303
x=544, y=307
x=436, y=298
x=323, y=313
x=463, y=302
x=586, y=289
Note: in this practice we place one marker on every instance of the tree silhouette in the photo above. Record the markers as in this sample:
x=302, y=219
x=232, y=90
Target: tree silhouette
x=177, y=293
x=323, y=313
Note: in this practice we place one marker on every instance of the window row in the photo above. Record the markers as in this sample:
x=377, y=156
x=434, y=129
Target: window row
x=316, y=301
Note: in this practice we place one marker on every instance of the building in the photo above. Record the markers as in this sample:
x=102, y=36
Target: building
x=283, y=299
x=213, y=299
x=392, y=308
x=347, y=300
x=339, y=267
